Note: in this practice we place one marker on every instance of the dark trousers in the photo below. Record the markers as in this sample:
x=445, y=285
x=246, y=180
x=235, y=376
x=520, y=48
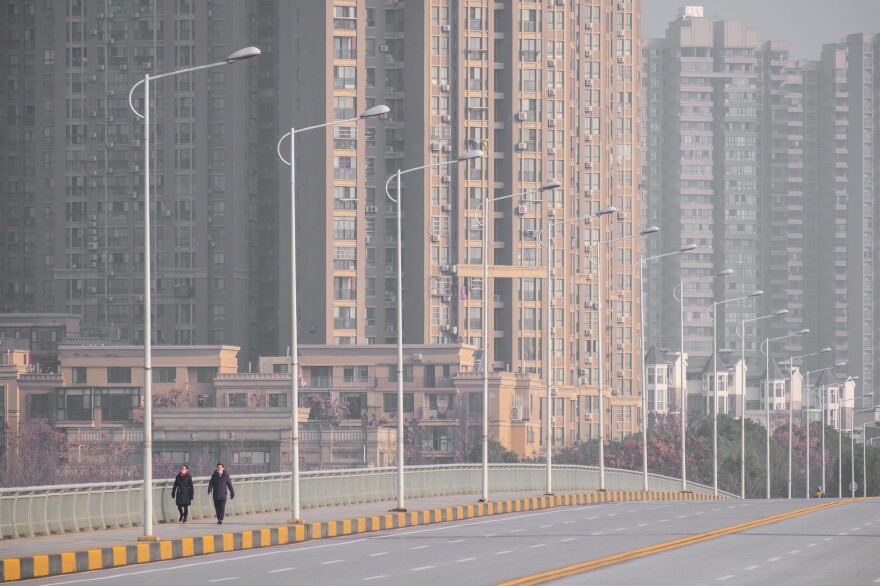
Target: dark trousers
x=184, y=511
x=220, y=508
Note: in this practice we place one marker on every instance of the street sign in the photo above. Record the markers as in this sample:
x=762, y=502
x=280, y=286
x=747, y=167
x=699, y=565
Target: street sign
x=853, y=486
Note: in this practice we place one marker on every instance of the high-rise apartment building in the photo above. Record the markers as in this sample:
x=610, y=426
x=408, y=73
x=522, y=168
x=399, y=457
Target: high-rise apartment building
x=701, y=178
x=548, y=90
x=72, y=213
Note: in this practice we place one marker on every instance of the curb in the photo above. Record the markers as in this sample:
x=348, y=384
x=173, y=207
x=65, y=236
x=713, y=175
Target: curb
x=41, y=566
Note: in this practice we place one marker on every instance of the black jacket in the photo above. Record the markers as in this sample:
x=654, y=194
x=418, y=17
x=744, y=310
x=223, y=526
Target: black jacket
x=183, y=492
x=221, y=486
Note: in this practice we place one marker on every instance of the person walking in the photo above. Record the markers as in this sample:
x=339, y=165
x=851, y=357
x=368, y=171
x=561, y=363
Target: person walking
x=183, y=492
x=220, y=486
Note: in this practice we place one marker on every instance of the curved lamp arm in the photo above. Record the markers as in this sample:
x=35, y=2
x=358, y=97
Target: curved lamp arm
x=465, y=156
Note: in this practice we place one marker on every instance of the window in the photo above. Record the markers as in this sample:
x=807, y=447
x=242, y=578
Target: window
x=165, y=374
x=78, y=375
x=206, y=374
x=389, y=402
x=118, y=374
x=407, y=374
x=344, y=228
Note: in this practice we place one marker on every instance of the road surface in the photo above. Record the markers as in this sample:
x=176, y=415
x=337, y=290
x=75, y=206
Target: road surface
x=754, y=542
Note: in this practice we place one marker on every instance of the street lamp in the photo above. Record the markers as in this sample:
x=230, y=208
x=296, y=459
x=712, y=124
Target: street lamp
x=646, y=232
x=742, y=345
x=865, y=443
x=548, y=345
x=466, y=156
x=552, y=184
x=791, y=400
x=686, y=248
x=765, y=349
x=851, y=379
x=807, y=416
x=294, y=348
x=714, y=318
x=239, y=55
x=681, y=368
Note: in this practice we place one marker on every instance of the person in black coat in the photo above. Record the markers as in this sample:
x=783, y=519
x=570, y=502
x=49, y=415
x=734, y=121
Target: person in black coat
x=183, y=492
x=220, y=486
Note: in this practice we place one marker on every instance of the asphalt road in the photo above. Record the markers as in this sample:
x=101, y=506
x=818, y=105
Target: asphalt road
x=837, y=545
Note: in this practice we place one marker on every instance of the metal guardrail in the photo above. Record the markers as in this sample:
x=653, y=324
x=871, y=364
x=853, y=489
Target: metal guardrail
x=71, y=508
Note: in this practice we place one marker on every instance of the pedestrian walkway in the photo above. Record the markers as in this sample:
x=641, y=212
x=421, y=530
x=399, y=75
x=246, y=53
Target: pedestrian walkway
x=70, y=553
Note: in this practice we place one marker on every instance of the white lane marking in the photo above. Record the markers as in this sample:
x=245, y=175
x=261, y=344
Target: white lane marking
x=566, y=539
x=682, y=517
x=597, y=533
x=420, y=547
x=828, y=539
x=856, y=528
x=662, y=520
x=373, y=555
x=490, y=535
x=642, y=525
x=375, y=577
x=538, y=545
x=868, y=523
x=567, y=522
x=423, y=568
x=517, y=530
x=544, y=526
x=327, y=563
x=794, y=551
x=456, y=540
x=224, y=579
x=700, y=513
x=621, y=529
x=588, y=519
x=504, y=552
x=464, y=560
x=774, y=559
x=715, y=510
x=841, y=533
x=750, y=568
x=811, y=545
x=612, y=514
x=280, y=570
x=877, y=581
x=632, y=511
x=727, y=577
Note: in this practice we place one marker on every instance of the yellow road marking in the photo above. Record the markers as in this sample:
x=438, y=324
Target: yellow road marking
x=581, y=567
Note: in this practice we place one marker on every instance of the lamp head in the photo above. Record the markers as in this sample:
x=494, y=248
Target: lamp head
x=243, y=54
x=824, y=350
x=687, y=247
x=375, y=111
x=757, y=293
x=840, y=364
x=552, y=184
x=803, y=331
x=781, y=312
x=649, y=230
x=468, y=155
x=606, y=210
x=725, y=272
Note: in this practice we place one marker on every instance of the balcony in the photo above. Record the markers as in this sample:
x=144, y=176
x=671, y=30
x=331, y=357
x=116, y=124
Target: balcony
x=345, y=173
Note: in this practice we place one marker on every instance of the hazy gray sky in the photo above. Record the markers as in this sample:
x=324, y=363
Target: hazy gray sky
x=805, y=24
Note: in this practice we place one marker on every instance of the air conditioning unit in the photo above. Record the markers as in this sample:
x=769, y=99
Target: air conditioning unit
x=93, y=218
x=122, y=67
x=619, y=373
x=520, y=146
x=453, y=269
x=389, y=148
x=94, y=135
x=620, y=344
x=446, y=298
x=389, y=58
x=551, y=63
x=93, y=114
x=551, y=151
x=588, y=165
x=445, y=28
x=620, y=5
x=444, y=268
x=520, y=116
x=135, y=168
x=447, y=148
x=521, y=210
x=445, y=118
x=93, y=184
x=588, y=53
x=551, y=93
x=446, y=179
x=621, y=215
x=389, y=209
x=588, y=193
x=110, y=299
x=582, y=380
x=619, y=33
x=383, y=48
x=589, y=26
x=588, y=83
x=100, y=68
x=166, y=213
x=620, y=293
x=372, y=209
x=620, y=59
x=444, y=328
x=588, y=109
x=551, y=212
x=444, y=87
x=516, y=413
x=133, y=195
x=446, y=207
x=417, y=357
x=496, y=297
x=582, y=371
x=93, y=290
x=620, y=319
x=136, y=143
x=435, y=238
x=551, y=122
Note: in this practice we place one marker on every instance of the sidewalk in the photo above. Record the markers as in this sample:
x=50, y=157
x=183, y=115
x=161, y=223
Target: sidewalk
x=71, y=553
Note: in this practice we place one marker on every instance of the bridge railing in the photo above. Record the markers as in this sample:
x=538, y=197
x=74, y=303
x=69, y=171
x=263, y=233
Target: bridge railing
x=46, y=510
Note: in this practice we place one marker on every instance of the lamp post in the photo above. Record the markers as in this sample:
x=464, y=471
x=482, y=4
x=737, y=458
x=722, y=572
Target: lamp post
x=714, y=317
x=548, y=300
x=765, y=349
x=864, y=451
x=681, y=368
x=742, y=347
x=294, y=348
x=840, y=400
x=806, y=393
x=466, y=156
x=552, y=184
x=239, y=55
x=686, y=248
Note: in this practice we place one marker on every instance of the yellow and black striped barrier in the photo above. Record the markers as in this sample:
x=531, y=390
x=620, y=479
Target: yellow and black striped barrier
x=39, y=566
